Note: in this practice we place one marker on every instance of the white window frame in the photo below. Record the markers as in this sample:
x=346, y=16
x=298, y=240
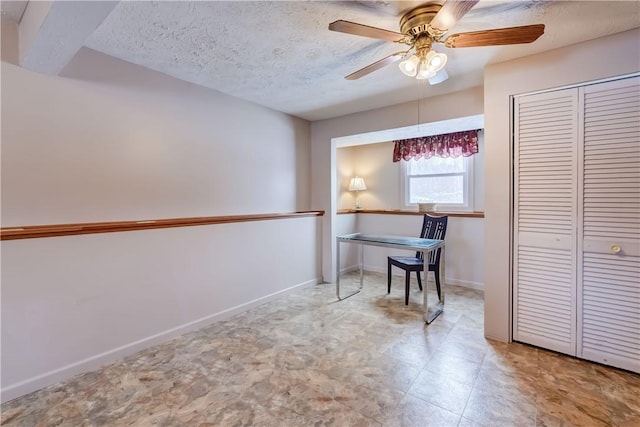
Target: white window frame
x=468, y=190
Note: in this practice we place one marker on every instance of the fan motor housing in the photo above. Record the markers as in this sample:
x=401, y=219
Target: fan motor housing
x=415, y=21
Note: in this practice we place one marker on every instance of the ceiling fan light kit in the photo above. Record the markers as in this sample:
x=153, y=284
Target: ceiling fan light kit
x=423, y=66
x=425, y=25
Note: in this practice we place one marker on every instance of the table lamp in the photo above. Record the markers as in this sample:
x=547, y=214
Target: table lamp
x=357, y=184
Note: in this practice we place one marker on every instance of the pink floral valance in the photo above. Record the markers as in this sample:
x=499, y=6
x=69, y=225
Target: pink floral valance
x=448, y=145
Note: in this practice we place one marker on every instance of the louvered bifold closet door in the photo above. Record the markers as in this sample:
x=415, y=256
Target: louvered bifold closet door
x=609, y=298
x=545, y=219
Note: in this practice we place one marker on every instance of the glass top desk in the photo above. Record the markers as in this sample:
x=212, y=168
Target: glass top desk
x=397, y=242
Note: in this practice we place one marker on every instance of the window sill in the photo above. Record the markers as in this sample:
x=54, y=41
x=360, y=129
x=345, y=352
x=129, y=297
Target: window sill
x=401, y=212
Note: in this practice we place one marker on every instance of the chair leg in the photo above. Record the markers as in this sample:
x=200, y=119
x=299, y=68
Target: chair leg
x=388, y=277
x=436, y=272
x=406, y=288
x=419, y=280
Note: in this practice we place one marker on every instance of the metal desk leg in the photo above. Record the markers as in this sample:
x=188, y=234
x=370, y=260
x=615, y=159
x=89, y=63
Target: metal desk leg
x=433, y=311
x=443, y=258
x=361, y=257
x=361, y=262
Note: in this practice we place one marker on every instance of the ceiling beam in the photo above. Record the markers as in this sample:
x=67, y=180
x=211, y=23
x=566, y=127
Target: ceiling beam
x=51, y=32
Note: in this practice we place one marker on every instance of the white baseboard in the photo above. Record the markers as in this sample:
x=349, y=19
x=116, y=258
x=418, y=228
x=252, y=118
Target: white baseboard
x=94, y=362
x=349, y=269
x=465, y=284
x=399, y=273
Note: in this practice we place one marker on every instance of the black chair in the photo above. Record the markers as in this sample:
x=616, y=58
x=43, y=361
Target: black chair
x=432, y=228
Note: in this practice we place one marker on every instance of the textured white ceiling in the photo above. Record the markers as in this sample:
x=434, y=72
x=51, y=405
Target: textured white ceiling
x=281, y=54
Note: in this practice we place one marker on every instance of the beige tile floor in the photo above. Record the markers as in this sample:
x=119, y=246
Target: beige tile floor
x=309, y=360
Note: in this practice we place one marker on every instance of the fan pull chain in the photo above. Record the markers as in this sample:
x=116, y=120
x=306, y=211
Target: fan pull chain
x=419, y=102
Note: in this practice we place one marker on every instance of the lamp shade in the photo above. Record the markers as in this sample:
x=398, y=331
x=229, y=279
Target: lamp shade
x=436, y=61
x=357, y=184
x=424, y=72
x=410, y=66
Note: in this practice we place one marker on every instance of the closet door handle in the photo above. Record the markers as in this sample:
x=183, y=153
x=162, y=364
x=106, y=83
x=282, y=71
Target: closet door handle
x=616, y=249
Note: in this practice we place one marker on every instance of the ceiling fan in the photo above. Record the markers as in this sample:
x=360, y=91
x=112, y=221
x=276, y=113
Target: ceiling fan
x=425, y=25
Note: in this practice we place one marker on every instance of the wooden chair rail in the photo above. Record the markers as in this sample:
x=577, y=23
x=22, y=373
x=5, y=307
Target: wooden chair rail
x=55, y=230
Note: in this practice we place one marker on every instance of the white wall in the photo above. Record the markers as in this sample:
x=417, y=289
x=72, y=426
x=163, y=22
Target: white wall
x=382, y=176
x=465, y=236
x=9, y=38
x=118, y=142
x=596, y=59
x=323, y=151
x=135, y=144
x=464, y=244
x=346, y=224
x=74, y=303
x=345, y=168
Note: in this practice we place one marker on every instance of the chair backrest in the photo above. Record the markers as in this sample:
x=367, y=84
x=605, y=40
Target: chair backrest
x=433, y=227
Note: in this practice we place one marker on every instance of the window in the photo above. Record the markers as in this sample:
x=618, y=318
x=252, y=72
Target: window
x=446, y=181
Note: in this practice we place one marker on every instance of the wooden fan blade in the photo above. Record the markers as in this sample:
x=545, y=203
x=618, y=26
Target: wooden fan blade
x=376, y=66
x=450, y=13
x=365, y=31
x=498, y=36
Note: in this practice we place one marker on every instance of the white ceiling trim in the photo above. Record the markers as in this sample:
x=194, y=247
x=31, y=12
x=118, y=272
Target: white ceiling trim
x=13, y=9
x=414, y=131
x=51, y=33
